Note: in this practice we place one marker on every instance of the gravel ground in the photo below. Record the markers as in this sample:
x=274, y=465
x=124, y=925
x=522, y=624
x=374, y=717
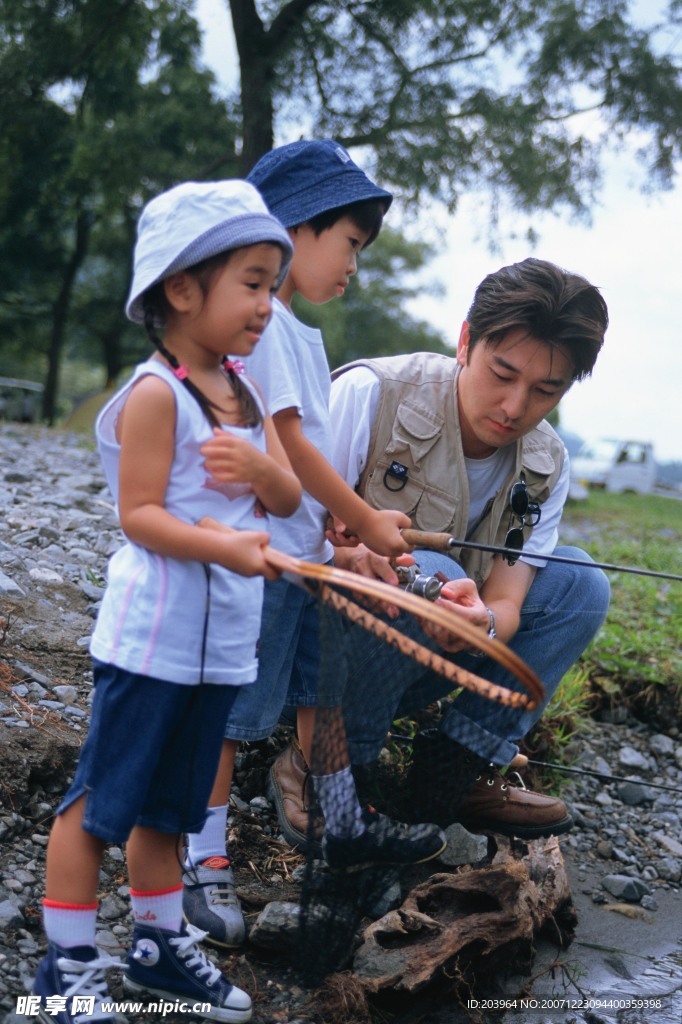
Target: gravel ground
x=57, y=530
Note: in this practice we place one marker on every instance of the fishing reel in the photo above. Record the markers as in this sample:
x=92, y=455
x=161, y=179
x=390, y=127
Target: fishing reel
x=414, y=581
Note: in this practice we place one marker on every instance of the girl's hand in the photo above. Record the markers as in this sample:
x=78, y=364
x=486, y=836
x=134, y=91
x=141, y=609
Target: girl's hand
x=461, y=598
x=242, y=551
x=246, y=554
x=380, y=531
x=232, y=460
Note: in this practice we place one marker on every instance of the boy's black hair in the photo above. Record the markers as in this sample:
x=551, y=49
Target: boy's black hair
x=367, y=215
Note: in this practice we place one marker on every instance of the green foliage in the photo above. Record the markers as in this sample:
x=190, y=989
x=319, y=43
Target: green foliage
x=637, y=656
x=566, y=716
x=465, y=95
x=104, y=106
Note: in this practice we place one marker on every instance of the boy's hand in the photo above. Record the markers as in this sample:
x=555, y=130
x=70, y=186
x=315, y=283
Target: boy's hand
x=339, y=535
x=380, y=531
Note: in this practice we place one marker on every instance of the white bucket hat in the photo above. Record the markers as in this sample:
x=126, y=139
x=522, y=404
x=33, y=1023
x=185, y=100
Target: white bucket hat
x=196, y=220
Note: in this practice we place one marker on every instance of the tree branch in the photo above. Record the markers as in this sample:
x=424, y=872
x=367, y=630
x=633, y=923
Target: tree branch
x=288, y=19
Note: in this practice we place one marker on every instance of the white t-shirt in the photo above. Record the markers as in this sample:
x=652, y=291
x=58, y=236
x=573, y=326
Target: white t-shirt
x=353, y=404
x=290, y=367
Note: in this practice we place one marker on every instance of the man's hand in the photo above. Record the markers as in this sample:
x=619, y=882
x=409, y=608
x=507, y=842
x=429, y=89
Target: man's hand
x=367, y=563
x=461, y=598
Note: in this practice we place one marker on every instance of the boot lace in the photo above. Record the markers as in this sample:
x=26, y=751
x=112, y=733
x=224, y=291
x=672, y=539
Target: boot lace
x=493, y=776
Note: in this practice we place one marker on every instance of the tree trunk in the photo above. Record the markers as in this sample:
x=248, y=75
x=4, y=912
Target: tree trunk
x=257, y=75
x=60, y=314
x=470, y=917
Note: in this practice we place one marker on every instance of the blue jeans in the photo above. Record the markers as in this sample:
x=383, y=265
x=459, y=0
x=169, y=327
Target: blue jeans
x=288, y=663
x=563, y=610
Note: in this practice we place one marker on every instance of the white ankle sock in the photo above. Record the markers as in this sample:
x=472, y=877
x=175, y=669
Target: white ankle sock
x=160, y=908
x=70, y=924
x=212, y=840
x=340, y=806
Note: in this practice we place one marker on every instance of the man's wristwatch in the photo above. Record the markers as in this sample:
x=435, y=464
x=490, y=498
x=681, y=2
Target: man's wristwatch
x=491, y=635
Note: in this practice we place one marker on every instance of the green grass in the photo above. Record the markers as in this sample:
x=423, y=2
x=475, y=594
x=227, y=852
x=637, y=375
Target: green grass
x=636, y=657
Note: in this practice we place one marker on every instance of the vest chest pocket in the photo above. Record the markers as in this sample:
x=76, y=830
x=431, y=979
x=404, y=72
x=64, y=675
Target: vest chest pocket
x=538, y=467
x=414, y=491
x=429, y=508
x=415, y=430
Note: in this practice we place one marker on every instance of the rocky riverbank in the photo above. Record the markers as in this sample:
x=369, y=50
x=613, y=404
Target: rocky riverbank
x=57, y=529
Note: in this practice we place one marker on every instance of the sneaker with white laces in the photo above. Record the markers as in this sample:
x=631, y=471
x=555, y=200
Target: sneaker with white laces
x=170, y=965
x=72, y=986
x=384, y=841
x=210, y=902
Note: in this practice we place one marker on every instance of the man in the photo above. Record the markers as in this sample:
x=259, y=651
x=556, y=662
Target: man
x=461, y=445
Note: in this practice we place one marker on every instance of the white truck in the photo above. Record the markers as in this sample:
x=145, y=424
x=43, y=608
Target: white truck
x=617, y=466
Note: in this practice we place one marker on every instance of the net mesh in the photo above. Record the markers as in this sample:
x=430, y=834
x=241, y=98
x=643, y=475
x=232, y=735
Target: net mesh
x=421, y=780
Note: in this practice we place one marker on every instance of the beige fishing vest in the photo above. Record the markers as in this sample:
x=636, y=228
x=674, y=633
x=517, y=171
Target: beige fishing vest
x=415, y=461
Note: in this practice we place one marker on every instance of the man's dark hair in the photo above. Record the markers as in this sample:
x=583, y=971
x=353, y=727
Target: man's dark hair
x=367, y=215
x=553, y=305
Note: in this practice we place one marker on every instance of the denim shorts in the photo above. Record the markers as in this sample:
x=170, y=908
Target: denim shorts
x=151, y=754
x=288, y=663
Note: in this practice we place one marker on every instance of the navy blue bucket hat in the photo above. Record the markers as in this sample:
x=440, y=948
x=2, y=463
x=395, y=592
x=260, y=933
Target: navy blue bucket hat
x=304, y=179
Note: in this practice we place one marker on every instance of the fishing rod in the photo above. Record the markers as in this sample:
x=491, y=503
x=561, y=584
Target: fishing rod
x=443, y=541
x=603, y=776
x=523, y=761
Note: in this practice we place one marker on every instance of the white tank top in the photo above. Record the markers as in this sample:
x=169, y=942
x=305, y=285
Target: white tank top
x=181, y=621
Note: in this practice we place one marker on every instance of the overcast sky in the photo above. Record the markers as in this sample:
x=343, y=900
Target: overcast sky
x=632, y=251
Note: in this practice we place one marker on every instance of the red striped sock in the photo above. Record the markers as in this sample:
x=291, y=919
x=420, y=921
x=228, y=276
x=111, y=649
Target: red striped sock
x=158, y=908
x=70, y=924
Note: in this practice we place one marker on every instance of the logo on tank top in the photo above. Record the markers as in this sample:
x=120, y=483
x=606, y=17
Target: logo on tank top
x=229, y=491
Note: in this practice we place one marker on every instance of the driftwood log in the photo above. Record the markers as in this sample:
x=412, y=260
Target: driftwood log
x=471, y=914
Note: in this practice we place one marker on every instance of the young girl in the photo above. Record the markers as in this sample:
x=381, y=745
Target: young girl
x=177, y=633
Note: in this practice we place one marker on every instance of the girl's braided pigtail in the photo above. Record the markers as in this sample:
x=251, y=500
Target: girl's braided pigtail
x=207, y=407
x=248, y=406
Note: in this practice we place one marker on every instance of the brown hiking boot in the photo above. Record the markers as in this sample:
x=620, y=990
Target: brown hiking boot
x=291, y=790
x=498, y=804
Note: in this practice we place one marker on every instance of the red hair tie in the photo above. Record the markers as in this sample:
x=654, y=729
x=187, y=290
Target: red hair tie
x=181, y=372
x=236, y=366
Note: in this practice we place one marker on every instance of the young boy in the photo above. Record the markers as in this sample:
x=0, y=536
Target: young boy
x=331, y=210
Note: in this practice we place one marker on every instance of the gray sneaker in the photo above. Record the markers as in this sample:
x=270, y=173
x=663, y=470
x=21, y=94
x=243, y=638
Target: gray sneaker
x=210, y=902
